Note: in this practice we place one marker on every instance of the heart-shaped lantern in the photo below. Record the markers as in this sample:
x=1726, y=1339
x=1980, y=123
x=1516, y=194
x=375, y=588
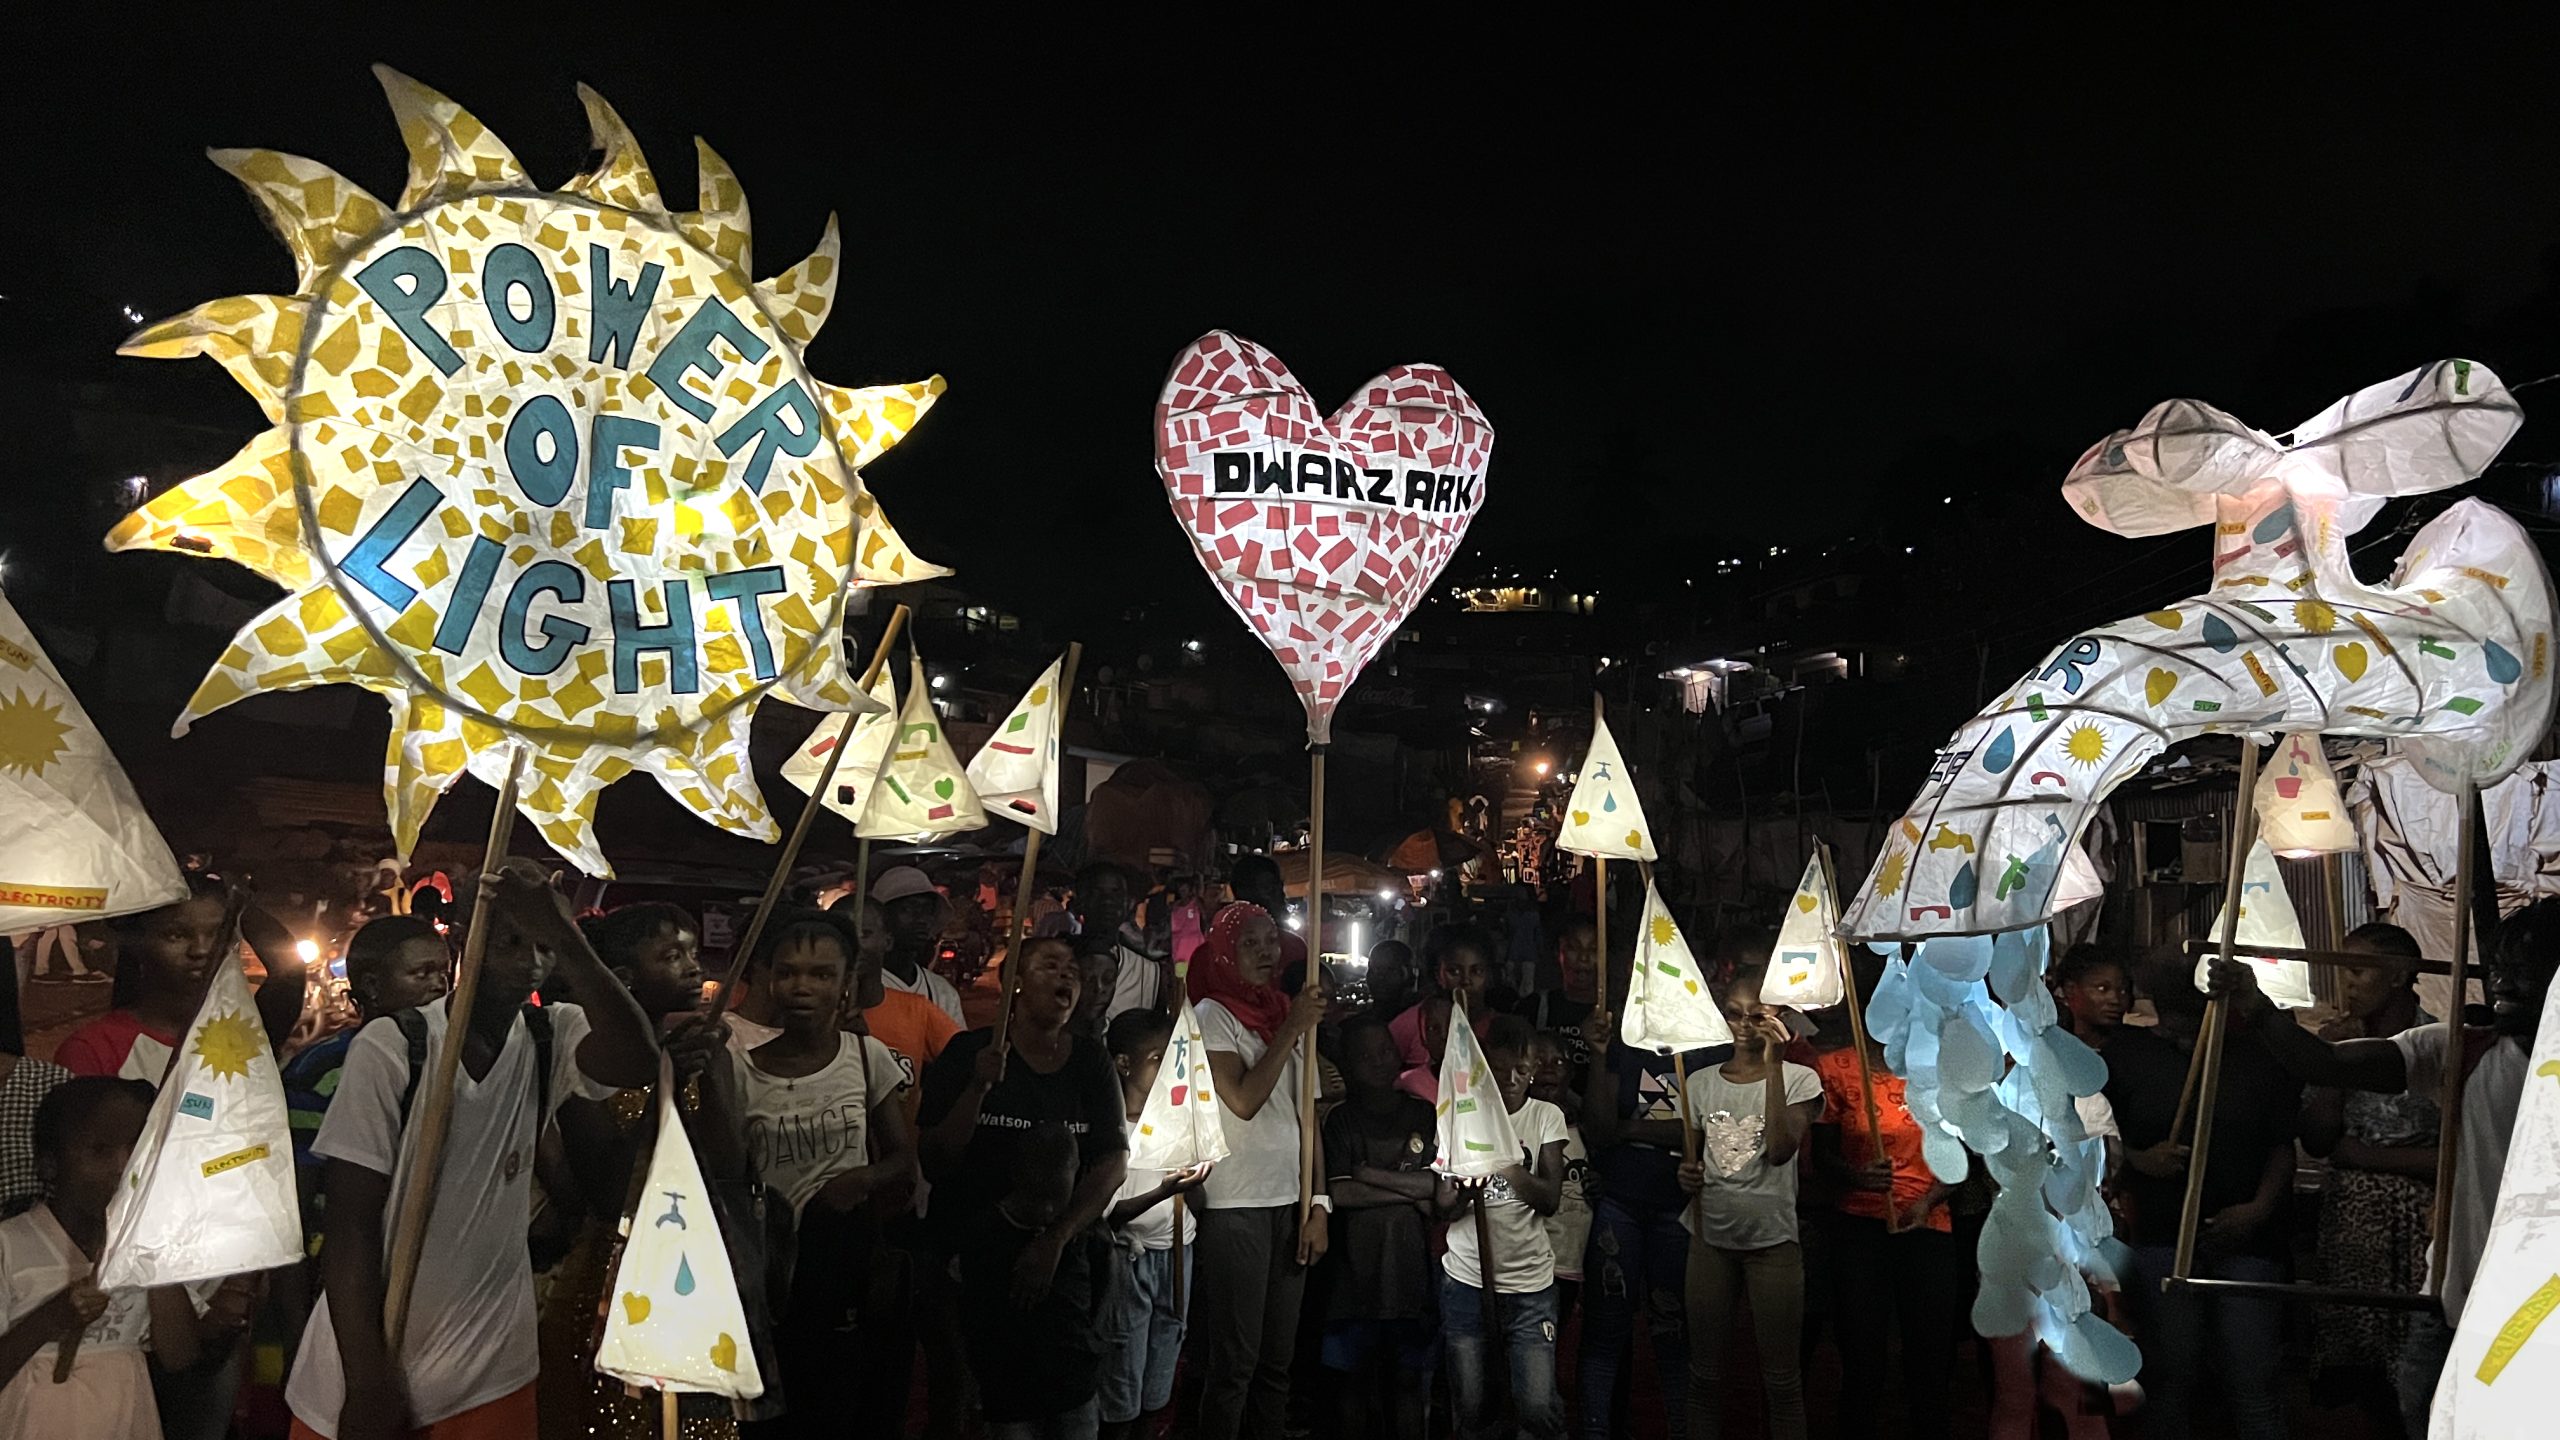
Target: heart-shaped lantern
x=1322, y=532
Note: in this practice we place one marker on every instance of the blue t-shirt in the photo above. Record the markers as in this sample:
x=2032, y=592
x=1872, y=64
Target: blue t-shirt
x=1638, y=1176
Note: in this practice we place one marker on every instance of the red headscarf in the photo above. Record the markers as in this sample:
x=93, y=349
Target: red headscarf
x=1214, y=976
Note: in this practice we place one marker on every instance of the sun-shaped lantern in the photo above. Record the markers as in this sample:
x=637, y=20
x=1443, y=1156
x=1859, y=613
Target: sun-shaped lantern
x=547, y=469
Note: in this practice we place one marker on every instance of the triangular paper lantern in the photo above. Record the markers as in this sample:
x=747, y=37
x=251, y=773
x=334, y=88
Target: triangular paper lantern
x=923, y=791
x=1016, y=771
x=2501, y=1379
x=1670, y=1006
x=1476, y=1137
x=1603, y=817
x=2300, y=811
x=859, y=770
x=2266, y=918
x=673, y=1320
x=210, y=1190
x=74, y=842
x=1180, y=1126
x=1805, y=968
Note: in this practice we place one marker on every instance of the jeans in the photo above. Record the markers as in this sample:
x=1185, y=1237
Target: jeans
x=1913, y=1280
x=1246, y=1309
x=1082, y=1423
x=1719, y=1279
x=2246, y=1335
x=1141, y=1335
x=1528, y=1334
x=2422, y=1357
x=1635, y=1254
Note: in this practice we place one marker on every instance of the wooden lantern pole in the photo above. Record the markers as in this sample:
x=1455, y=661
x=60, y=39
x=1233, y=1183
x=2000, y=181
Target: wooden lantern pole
x=1314, y=976
x=1023, y=882
x=435, y=1117
x=1858, y=1042
x=2205, y=1073
x=800, y=827
x=1181, y=1291
x=2469, y=855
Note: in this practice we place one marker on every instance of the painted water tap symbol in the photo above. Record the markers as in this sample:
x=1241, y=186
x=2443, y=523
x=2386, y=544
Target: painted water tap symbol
x=2427, y=646
x=2011, y=878
x=1950, y=838
x=675, y=1212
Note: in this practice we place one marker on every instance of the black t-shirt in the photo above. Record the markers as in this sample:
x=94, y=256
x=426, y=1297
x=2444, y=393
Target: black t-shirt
x=1083, y=1095
x=1642, y=1177
x=1031, y=1364
x=1385, y=1272
x=2254, y=1112
x=1557, y=1011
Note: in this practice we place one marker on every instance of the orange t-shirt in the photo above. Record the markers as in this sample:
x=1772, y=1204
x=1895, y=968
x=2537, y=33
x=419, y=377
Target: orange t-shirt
x=911, y=1025
x=1844, y=1106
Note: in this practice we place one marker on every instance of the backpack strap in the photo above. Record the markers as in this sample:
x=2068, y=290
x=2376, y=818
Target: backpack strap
x=537, y=1021
x=413, y=1029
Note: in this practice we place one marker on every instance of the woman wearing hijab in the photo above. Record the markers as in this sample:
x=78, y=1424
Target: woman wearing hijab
x=1254, y=1252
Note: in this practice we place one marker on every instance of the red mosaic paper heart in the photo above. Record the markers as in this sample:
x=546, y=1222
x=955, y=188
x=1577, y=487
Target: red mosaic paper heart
x=1322, y=532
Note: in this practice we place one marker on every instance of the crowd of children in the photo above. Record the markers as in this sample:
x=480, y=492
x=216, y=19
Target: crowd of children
x=894, y=1187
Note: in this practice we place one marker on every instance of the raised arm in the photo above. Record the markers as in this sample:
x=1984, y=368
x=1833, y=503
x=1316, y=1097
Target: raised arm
x=1244, y=1089
x=280, y=995
x=621, y=1046
x=2374, y=1065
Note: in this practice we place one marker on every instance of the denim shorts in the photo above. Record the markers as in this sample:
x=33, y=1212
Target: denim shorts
x=1141, y=1335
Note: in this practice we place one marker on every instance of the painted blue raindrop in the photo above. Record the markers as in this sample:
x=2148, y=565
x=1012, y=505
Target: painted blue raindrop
x=2001, y=753
x=2219, y=635
x=1960, y=891
x=2502, y=665
x=1608, y=803
x=2278, y=521
x=684, y=1276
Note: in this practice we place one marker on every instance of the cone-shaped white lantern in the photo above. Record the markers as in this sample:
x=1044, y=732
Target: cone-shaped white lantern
x=1669, y=1005
x=859, y=770
x=923, y=791
x=1476, y=1137
x=2266, y=918
x=2078, y=883
x=209, y=1191
x=1016, y=771
x=1805, y=969
x=1603, y=817
x=674, y=1320
x=1180, y=1126
x=2501, y=1379
x=2300, y=811
x=74, y=842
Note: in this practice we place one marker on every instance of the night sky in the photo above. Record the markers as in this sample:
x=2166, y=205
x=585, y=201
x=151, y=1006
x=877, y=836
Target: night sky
x=1718, y=287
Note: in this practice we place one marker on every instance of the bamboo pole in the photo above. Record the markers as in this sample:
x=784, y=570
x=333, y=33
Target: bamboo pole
x=1866, y=1072
x=800, y=827
x=670, y=1416
x=435, y=1118
x=2466, y=882
x=2204, y=1073
x=1181, y=1291
x=1484, y=1276
x=1022, y=883
x=1314, y=976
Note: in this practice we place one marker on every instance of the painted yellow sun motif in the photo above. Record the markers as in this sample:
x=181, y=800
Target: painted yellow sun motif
x=228, y=1042
x=2086, y=745
x=31, y=733
x=1889, y=874
x=1664, y=932
x=547, y=469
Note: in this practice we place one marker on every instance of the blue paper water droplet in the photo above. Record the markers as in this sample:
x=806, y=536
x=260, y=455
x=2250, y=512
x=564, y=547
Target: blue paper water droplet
x=2219, y=635
x=684, y=1276
x=1960, y=891
x=2502, y=666
x=1608, y=804
x=2001, y=753
x=2278, y=521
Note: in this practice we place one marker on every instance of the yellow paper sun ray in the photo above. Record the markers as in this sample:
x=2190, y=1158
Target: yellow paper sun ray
x=799, y=298
x=720, y=223
x=621, y=177
x=321, y=215
x=624, y=609
x=253, y=337
x=242, y=512
x=451, y=154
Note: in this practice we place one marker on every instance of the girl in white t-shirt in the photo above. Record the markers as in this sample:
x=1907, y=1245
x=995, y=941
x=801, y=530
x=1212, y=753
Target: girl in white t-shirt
x=1750, y=1115
x=84, y=1132
x=1143, y=1324
x=1521, y=1269
x=1254, y=1248
x=828, y=1136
